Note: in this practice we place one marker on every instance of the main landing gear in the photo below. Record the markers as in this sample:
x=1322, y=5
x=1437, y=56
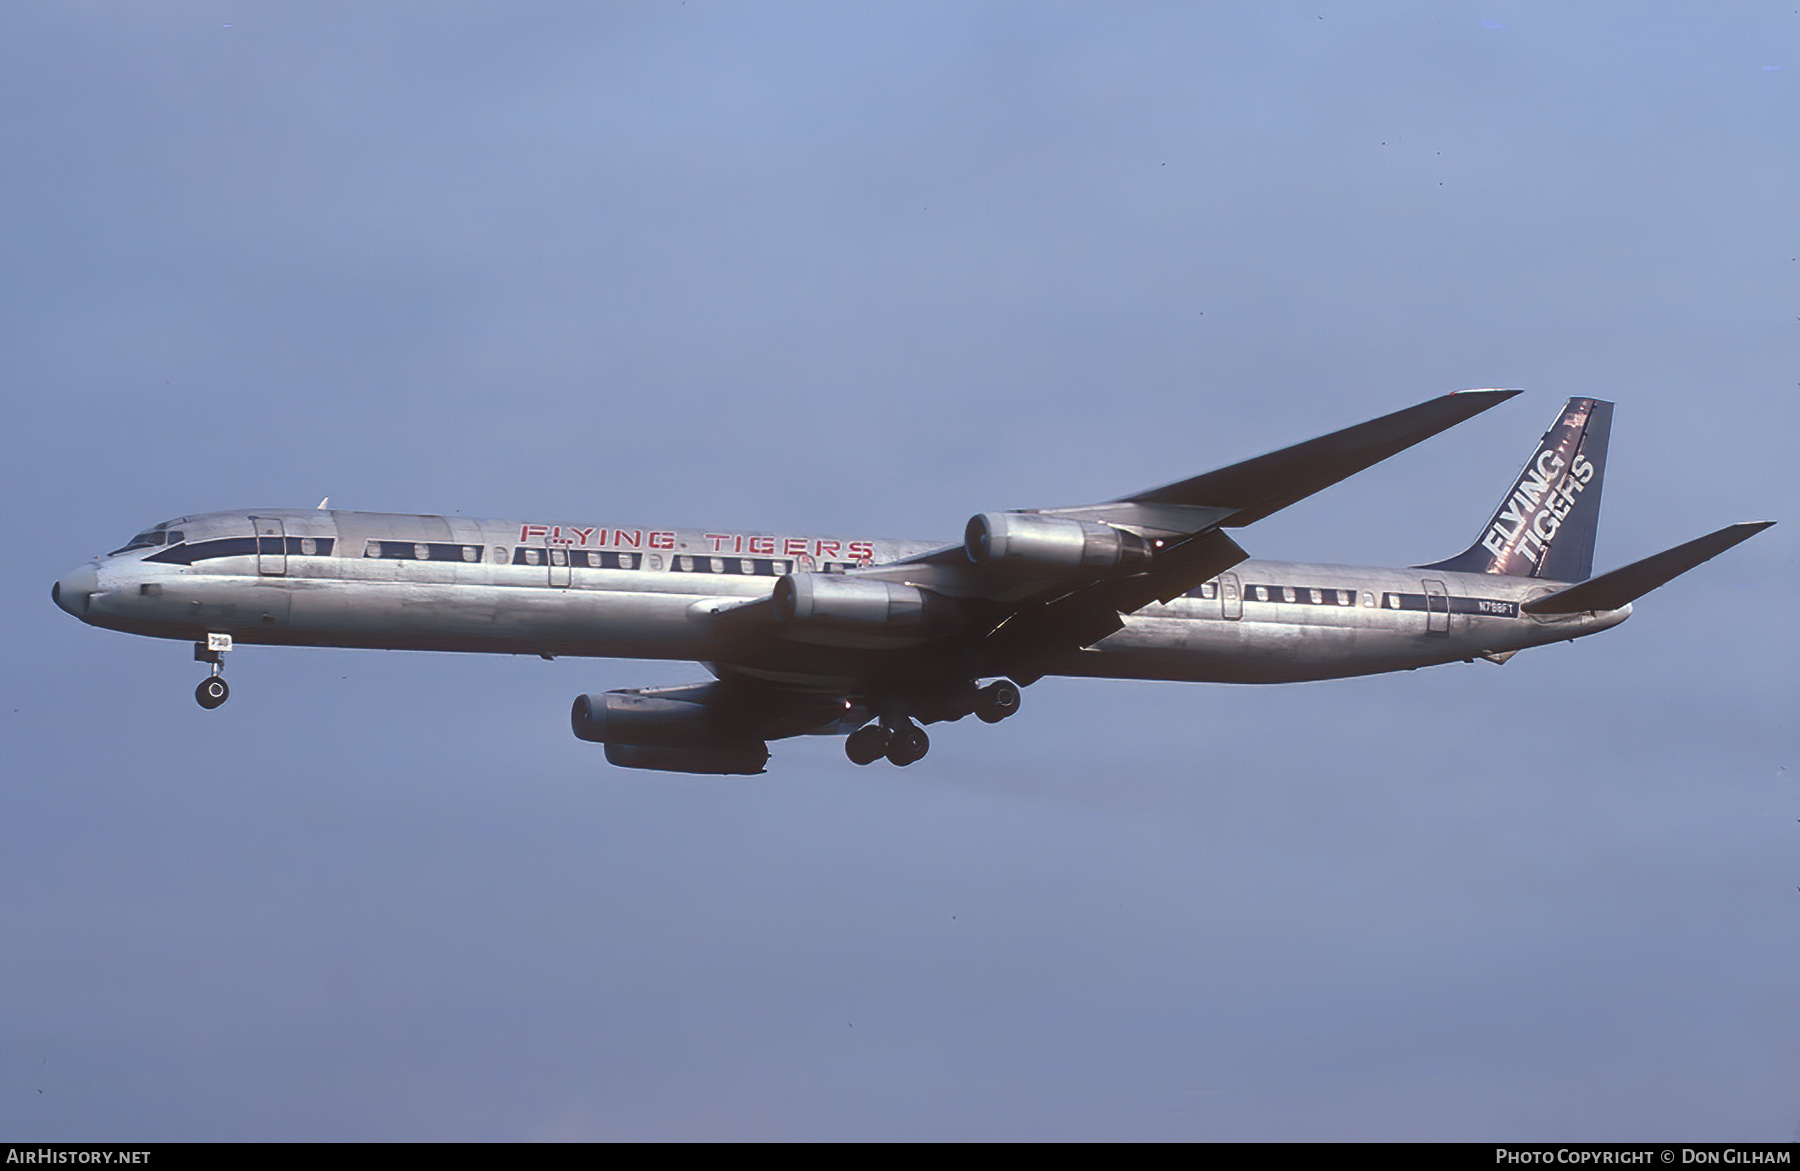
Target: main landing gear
x=213, y=690
x=996, y=701
x=902, y=741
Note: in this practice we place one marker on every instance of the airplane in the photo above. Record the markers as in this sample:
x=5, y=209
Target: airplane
x=871, y=639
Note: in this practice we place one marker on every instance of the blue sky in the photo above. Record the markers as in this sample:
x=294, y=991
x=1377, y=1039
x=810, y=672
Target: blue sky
x=868, y=270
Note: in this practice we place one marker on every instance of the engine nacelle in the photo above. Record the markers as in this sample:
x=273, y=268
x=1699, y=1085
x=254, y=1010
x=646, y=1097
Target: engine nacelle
x=832, y=610
x=739, y=758
x=664, y=732
x=827, y=597
x=1029, y=540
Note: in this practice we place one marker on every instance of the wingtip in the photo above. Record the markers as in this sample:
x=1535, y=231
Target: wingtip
x=1499, y=394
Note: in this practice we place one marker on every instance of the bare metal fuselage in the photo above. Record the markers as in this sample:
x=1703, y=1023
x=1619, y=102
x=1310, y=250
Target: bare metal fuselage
x=406, y=582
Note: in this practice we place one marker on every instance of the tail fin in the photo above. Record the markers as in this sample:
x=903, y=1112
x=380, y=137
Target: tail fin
x=1546, y=522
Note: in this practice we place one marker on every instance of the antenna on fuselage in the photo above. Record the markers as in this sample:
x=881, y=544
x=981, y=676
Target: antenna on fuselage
x=324, y=502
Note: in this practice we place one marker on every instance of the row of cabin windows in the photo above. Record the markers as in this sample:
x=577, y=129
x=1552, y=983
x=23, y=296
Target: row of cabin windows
x=1317, y=597
x=583, y=558
x=685, y=563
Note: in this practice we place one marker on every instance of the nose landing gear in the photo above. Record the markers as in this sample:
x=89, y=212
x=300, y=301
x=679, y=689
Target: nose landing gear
x=213, y=690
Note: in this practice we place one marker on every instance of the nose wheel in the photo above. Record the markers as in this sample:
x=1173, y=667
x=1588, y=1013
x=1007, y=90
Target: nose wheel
x=213, y=690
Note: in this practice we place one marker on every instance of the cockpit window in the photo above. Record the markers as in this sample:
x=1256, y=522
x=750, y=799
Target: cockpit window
x=142, y=541
x=151, y=538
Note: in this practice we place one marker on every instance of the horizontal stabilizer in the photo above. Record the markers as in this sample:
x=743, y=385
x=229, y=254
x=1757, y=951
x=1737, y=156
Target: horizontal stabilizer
x=1269, y=483
x=1612, y=590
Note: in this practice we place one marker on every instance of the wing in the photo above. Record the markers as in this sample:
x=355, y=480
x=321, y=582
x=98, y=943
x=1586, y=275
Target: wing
x=1030, y=585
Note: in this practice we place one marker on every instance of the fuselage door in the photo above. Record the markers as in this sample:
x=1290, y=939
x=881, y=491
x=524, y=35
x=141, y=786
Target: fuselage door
x=271, y=546
x=1231, y=596
x=1437, y=608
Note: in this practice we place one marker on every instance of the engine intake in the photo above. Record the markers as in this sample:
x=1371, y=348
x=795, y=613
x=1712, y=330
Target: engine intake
x=1029, y=540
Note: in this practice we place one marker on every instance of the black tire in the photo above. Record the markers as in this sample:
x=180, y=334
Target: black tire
x=996, y=701
x=212, y=692
x=907, y=745
x=867, y=744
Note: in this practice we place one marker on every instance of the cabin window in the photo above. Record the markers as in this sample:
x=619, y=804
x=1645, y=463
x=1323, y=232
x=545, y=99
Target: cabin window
x=593, y=560
x=471, y=553
x=1262, y=593
x=684, y=564
x=422, y=552
x=372, y=549
x=718, y=565
x=656, y=561
x=1287, y=593
x=308, y=546
x=559, y=556
x=1209, y=589
x=627, y=560
x=746, y=566
x=499, y=555
x=533, y=556
x=1368, y=598
x=1318, y=597
x=1393, y=601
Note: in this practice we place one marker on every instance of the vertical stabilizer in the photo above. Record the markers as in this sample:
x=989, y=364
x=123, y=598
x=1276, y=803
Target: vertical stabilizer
x=1546, y=522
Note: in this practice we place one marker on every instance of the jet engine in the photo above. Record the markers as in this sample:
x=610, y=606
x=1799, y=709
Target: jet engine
x=833, y=610
x=1031, y=541
x=666, y=733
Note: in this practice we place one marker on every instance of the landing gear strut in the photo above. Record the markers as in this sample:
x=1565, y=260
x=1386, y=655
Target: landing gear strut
x=213, y=690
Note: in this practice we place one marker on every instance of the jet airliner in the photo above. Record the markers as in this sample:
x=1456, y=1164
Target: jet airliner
x=870, y=639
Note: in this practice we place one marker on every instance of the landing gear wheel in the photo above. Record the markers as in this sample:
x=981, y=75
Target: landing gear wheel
x=908, y=744
x=212, y=692
x=996, y=701
x=866, y=745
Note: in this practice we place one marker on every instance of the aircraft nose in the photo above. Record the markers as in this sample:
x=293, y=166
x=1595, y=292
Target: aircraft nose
x=74, y=590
